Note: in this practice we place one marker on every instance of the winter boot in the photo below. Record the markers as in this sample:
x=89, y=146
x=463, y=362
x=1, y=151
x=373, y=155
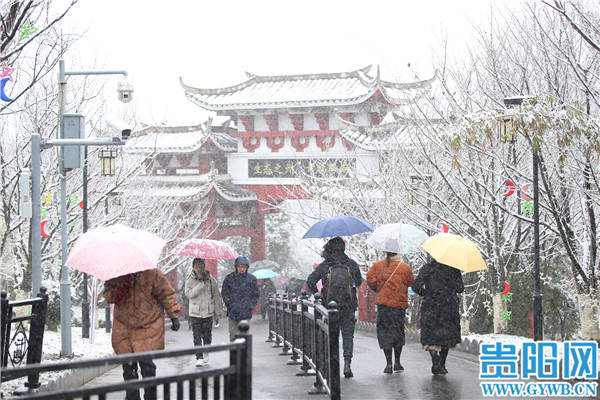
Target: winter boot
x=397, y=365
x=443, y=355
x=347, y=371
x=388, y=359
x=435, y=362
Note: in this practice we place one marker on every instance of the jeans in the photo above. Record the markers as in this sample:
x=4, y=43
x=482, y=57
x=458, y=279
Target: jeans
x=202, y=329
x=148, y=369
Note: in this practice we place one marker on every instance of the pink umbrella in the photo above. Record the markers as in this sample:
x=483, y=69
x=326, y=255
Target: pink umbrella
x=205, y=248
x=115, y=250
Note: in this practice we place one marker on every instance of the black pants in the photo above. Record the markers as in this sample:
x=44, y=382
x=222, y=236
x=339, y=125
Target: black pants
x=202, y=329
x=347, y=323
x=148, y=369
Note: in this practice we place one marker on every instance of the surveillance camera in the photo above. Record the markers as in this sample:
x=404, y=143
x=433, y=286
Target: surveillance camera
x=125, y=134
x=119, y=127
x=125, y=91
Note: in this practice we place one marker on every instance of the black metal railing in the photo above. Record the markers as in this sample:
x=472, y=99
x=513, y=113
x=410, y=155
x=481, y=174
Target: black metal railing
x=232, y=382
x=309, y=333
x=18, y=343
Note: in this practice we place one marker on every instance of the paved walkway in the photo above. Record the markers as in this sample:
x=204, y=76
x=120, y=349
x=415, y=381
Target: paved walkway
x=273, y=379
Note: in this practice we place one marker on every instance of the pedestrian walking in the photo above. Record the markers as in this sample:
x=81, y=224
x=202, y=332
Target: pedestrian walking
x=293, y=288
x=240, y=294
x=390, y=279
x=267, y=289
x=341, y=277
x=439, y=285
x=141, y=300
x=205, y=304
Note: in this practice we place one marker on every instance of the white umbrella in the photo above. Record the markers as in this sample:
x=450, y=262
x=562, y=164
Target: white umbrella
x=397, y=238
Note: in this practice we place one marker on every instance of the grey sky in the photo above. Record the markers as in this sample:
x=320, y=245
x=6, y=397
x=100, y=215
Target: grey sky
x=211, y=44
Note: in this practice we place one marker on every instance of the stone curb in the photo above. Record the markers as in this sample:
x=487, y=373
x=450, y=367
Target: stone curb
x=74, y=379
x=413, y=336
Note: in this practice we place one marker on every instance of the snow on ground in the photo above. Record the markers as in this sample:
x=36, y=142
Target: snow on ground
x=82, y=349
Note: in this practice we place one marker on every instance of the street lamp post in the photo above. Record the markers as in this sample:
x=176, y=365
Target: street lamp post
x=538, y=321
x=65, y=286
x=37, y=145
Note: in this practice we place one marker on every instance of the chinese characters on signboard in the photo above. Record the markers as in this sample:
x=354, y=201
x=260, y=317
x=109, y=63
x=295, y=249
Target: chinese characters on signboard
x=291, y=168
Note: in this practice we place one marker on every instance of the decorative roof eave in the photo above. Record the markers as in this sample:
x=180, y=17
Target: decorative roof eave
x=139, y=142
x=199, y=186
x=424, y=85
x=382, y=137
x=275, y=78
x=283, y=104
x=220, y=145
x=410, y=85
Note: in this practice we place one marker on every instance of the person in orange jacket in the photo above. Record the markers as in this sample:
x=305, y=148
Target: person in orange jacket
x=390, y=279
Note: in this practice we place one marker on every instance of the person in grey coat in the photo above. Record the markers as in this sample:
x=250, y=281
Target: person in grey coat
x=240, y=294
x=204, y=303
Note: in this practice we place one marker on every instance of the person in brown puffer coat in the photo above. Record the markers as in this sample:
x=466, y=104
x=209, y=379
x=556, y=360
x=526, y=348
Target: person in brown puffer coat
x=141, y=300
x=390, y=278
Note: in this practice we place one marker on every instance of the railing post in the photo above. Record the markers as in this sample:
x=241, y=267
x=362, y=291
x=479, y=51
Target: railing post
x=295, y=334
x=278, y=316
x=286, y=329
x=270, y=315
x=304, y=335
x=317, y=350
x=333, y=324
x=36, y=336
x=244, y=379
x=4, y=329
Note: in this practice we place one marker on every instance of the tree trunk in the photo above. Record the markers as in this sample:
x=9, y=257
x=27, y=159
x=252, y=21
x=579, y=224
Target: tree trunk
x=588, y=316
x=499, y=307
x=465, y=326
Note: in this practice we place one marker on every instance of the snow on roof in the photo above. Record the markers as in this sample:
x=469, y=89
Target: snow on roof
x=190, y=187
x=390, y=136
x=178, y=139
x=288, y=91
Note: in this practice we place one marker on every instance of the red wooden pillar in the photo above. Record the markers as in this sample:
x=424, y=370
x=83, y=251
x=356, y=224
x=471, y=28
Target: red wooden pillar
x=257, y=241
x=366, y=303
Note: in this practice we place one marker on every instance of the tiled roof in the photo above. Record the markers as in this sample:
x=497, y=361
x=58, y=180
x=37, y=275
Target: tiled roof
x=288, y=91
x=190, y=188
x=389, y=136
x=178, y=139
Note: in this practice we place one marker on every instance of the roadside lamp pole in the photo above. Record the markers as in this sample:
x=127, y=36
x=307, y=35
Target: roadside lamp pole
x=37, y=145
x=508, y=132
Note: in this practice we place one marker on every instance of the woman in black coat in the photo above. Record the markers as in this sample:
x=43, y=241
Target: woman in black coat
x=438, y=284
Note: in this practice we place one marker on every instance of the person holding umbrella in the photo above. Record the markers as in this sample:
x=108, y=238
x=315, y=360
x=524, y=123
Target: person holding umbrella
x=205, y=303
x=341, y=277
x=439, y=285
x=439, y=282
x=141, y=300
x=390, y=279
x=240, y=294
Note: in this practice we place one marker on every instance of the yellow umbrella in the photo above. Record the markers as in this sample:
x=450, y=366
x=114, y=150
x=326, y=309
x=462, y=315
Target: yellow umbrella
x=455, y=251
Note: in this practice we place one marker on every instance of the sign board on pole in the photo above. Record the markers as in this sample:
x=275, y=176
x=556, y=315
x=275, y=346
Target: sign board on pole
x=73, y=128
x=25, y=188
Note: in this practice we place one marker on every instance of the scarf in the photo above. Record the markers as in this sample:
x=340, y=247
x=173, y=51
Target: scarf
x=124, y=285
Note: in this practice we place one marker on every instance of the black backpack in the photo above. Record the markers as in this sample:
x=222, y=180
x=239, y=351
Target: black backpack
x=340, y=285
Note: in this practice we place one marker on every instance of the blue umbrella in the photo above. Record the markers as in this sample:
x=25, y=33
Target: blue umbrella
x=264, y=273
x=343, y=225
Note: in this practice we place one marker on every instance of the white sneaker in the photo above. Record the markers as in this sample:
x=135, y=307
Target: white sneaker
x=200, y=363
x=205, y=358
